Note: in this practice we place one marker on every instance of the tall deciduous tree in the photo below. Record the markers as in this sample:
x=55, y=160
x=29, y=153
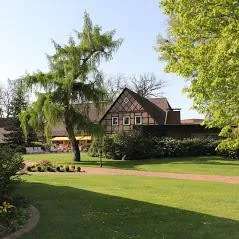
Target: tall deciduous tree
x=73, y=77
x=18, y=99
x=203, y=47
x=13, y=99
x=146, y=85
x=6, y=95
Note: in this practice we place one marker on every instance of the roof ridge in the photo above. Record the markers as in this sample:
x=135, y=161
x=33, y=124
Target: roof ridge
x=157, y=97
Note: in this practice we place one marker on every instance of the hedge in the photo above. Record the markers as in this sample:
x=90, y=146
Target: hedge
x=135, y=146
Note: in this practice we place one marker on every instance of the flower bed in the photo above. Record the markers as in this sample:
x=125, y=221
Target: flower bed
x=33, y=216
x=13, y=215
x=46, y=166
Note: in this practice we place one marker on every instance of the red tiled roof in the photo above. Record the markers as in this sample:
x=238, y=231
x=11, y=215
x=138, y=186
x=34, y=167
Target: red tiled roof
x=161, y=103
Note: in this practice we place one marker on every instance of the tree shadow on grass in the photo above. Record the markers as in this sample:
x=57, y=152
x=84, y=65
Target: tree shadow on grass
x=132, y=164
x=71, y=213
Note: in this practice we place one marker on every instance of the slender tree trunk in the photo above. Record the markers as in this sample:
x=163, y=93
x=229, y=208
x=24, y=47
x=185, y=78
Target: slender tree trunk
x=72, y=138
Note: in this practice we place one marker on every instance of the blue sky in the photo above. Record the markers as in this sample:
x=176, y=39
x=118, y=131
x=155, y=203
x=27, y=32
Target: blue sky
x=28, y=26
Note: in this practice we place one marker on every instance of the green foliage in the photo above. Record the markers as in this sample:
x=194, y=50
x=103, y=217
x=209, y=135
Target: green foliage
x=16, y=102
x=135, y=146
x=10, y=163
x=229, y=148
x=7, y=213
x=19, y=98
x=47, y=166
x=12, y=217
x=203, y=47
x=73, y=80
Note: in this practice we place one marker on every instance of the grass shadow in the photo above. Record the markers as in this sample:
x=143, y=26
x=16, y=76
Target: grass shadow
x=72, y=213
x=132, y=164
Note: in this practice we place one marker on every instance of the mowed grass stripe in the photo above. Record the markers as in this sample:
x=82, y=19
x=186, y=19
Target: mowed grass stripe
x=210, y=165
x=132, y=207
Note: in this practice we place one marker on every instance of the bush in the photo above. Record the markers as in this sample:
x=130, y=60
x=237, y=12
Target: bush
x=10, y=164
x=44, y=164
x=167, y=147
x=229, y=148
x=135, y=146
x=50, y=169
x=40, y=169
x=12, y=217
x=32, y=168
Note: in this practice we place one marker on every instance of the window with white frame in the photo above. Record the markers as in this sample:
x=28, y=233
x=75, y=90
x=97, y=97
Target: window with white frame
x=138, y=120
x=115, y=120
x=126, y=120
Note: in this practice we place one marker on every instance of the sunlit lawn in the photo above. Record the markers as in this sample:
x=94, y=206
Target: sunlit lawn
x=122, y=207
x=211, y=165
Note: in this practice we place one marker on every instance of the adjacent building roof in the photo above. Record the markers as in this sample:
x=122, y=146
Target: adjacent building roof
x=89, y=109
x=191, y=121
x=161, y=103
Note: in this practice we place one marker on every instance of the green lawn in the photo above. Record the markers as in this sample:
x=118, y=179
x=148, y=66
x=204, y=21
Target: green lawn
x=123, y=207
x=211, y=165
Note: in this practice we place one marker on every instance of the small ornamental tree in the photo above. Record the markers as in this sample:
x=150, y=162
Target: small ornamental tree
x=203, y=47
x=73, y=77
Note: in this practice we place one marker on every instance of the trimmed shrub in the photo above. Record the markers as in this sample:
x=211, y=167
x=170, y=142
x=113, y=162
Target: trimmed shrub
x=51, y=169
x=135, y=146
x=67, y=168
x=32, y=169
x=44, y=164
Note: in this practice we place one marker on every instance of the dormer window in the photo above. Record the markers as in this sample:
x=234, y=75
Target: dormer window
x=138, y=120
x=115, y=120
x=126, y=120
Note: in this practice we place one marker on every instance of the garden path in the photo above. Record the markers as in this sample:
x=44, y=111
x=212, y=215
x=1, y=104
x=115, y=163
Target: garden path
x=183, y=176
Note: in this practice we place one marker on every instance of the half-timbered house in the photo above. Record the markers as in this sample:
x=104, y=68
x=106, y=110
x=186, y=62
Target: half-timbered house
x=131, y=109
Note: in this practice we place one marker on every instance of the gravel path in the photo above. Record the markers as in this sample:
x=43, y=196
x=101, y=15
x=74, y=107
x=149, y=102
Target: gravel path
x=184, y=176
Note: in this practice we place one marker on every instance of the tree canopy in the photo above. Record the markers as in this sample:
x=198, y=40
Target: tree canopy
x=203, y=47
x=145, y=84
x=13, y=99
x=73, y=80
